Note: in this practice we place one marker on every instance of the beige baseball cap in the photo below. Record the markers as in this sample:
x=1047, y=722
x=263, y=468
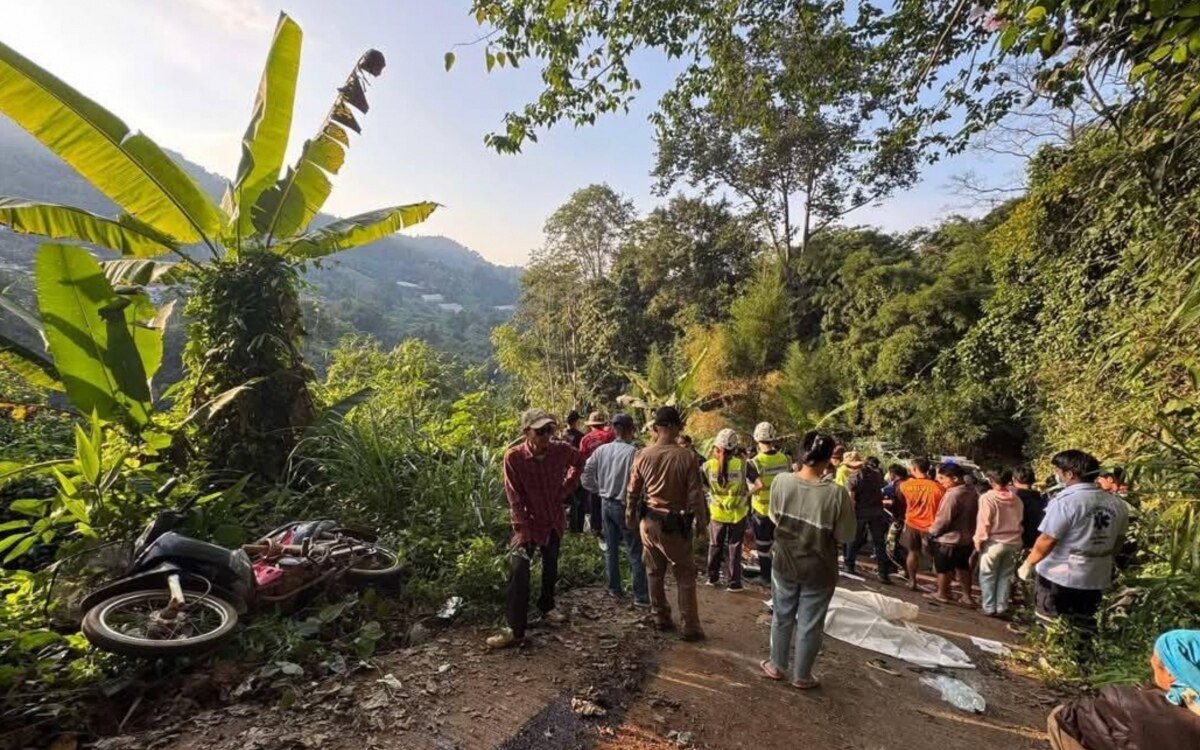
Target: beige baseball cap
x=536, y=419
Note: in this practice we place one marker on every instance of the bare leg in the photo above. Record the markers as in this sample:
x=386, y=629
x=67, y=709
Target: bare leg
x=964, y=582
x=911, y=564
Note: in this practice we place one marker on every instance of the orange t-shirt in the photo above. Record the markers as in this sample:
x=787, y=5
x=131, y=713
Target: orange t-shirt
x=921, y=499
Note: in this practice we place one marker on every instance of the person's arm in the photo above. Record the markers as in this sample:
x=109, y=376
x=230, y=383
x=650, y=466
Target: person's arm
x=847, y=526
x=633, y=492
x=753, y=479
x=519, y=511
x=588, y=480
x=852, y=483
x=1055, y=526
x=943, y=517
x=574, y=472
x=695, y=493
x=984, y=521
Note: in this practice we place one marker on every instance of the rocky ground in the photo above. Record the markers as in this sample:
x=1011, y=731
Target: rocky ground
x=607, y=680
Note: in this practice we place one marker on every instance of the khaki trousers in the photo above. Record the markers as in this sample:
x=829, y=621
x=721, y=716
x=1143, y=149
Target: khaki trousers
x=659, y=551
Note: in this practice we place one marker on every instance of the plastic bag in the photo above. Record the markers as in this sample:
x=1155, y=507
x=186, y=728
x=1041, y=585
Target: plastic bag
x=956, y=692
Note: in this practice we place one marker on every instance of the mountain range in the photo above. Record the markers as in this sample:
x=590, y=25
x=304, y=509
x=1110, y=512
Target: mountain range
x=428, y=287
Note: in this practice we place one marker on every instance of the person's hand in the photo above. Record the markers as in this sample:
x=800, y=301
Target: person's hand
x=1025, y=572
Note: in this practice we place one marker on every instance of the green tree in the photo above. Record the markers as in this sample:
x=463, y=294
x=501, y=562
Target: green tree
x=689, y=257
x=759, y=327
x=791, y=110
x=261, y=220
x=589, y=230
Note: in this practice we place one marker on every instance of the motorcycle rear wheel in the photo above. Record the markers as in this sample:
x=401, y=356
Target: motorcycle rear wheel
x=123, y=624
x=382, y=565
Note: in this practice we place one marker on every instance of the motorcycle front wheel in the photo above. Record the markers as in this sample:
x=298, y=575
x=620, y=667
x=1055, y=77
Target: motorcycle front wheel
x=378, y=567
x=140, y=623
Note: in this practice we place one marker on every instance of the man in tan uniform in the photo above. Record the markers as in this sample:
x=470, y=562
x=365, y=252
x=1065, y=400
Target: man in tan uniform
x=666, y=494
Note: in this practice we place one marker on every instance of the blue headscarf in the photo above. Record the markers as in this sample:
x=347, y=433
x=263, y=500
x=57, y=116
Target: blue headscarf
x=1179, y=652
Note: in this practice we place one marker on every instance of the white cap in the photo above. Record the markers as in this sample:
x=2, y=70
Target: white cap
x=764, y=432
x=726, y=439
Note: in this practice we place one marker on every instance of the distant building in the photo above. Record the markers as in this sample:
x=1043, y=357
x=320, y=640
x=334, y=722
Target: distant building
x=453, y=307
x=408, y=285
x=433, y=298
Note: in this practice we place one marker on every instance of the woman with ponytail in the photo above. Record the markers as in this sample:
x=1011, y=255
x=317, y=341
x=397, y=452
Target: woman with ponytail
x=812, y=515
x=728, y=506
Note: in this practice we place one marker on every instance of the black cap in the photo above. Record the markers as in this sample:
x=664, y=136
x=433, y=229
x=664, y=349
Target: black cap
x=621, y=420
x=667, y=416
x=573, y=416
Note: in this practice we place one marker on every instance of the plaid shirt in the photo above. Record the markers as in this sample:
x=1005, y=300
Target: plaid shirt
x=537, y=487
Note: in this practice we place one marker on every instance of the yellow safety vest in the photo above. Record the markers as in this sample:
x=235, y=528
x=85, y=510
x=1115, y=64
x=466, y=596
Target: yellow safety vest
x=728, y=503
x=769, y=466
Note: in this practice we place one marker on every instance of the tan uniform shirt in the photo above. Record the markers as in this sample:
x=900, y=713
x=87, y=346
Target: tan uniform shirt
x=669, y=477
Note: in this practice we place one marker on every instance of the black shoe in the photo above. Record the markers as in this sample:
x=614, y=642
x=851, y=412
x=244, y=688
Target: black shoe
x=885, y=579
x=735, y=586
x=692, y=636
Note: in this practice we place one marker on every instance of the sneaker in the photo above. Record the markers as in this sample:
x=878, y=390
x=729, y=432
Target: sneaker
x=554, y=617
x=614, y=595
x=712, y=582
x=641, y=603
x=503, y=639
x=692, y=636
x=735, y=586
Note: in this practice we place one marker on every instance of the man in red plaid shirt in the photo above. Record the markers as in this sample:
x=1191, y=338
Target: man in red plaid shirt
x=540, y=474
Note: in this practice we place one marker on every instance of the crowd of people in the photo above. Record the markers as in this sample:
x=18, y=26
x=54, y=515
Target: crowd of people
x=805, y=510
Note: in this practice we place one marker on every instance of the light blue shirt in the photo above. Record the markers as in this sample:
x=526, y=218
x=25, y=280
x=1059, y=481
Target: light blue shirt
x=607, y=470
x=1089, y=524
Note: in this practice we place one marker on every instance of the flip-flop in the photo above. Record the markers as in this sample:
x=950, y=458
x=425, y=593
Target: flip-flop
x=938, y=600
x=769, y=671
x=882, y=667
x=809, y=685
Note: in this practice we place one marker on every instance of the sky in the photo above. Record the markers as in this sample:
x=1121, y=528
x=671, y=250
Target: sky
x=185, y=72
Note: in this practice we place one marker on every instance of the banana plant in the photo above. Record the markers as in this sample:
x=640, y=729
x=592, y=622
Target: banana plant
x=165, y=222
x=682, y=394
x=164, y=215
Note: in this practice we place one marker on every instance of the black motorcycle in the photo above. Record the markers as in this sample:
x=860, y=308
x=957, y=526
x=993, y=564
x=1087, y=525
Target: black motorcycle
x=183, y=596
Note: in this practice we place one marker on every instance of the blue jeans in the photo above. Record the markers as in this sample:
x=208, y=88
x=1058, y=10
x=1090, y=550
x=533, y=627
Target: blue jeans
x=796, y=604
x=614, y=533
x=997, y=564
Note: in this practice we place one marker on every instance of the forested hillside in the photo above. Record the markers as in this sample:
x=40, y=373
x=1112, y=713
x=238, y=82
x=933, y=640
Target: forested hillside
x=377, y=290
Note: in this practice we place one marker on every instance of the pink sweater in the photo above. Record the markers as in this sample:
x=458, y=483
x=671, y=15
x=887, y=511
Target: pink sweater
x=999, y=519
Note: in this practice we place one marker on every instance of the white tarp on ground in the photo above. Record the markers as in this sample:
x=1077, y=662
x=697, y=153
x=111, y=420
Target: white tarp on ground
x=864, y=619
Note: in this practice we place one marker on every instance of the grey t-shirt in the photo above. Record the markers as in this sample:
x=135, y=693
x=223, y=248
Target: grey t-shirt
x=1089, y=524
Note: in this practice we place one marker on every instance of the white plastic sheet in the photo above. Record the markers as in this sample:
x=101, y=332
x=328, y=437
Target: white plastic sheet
x=863, y=619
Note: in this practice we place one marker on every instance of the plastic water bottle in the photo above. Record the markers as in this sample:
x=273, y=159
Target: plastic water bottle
x=956, y=692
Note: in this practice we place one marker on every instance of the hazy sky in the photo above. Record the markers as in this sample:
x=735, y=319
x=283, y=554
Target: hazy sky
x=185, y=72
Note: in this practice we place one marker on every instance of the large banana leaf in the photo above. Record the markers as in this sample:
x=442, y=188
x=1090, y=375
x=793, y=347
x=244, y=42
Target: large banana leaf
x=137, y=272
x=355, y=231
x=288, y=206
x=28, y=365
x=127, y=167
x=90, y=336
x=266, y=138
x=68, y=223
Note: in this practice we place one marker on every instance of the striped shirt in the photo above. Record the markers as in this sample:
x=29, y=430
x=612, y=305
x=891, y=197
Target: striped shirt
x=810, y=519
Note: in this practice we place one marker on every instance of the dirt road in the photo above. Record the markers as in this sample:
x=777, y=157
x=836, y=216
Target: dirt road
x=653, y=691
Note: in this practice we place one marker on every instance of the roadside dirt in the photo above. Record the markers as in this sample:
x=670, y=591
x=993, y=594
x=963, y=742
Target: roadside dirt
x=650, y=691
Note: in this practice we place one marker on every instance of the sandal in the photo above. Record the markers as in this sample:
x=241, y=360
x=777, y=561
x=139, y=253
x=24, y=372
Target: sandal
x=938, y=599
x=769, y=670
x=808, y=684
x=882, y=666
